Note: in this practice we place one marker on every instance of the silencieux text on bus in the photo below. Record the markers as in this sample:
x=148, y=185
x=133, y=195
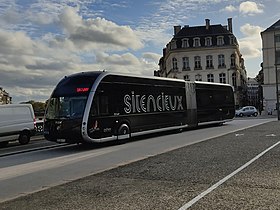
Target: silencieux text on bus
x=148, y=103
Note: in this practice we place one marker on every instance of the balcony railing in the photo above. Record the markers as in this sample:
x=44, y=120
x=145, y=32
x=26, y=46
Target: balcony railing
x=186, y=69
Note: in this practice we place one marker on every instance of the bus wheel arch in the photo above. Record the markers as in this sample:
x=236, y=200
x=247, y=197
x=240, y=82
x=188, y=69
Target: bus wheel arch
x=123, y=131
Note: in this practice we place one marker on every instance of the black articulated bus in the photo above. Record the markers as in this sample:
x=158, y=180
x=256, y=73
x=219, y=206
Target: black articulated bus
x=102, y=106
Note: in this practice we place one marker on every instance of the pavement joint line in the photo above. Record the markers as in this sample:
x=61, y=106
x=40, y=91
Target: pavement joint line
x=216, y=185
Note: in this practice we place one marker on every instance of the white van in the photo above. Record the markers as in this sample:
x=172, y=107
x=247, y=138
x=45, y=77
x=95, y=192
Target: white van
x=17, y=121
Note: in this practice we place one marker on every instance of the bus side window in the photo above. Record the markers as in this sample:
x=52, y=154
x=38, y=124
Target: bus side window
x=100, y=105
x=104, y=105
x=204, y=98
x=94, y=110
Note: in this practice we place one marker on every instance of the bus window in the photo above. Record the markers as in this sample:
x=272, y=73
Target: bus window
x=94, y=107
x=66, y=107
x=204, y=98
x=77, y=107
x=104, y=105
x=100, y=105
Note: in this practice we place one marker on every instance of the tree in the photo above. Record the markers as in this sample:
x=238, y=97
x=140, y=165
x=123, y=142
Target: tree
x=39, y=107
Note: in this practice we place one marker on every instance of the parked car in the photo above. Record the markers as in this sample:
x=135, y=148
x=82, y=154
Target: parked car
x=17, y=122
x=247, y=111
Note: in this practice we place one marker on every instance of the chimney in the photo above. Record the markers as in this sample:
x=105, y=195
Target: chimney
x=207, y=22
x=230, y=24
x=177, y=29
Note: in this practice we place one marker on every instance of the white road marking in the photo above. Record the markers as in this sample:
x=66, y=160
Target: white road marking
x=270, y=135
x=213, y=187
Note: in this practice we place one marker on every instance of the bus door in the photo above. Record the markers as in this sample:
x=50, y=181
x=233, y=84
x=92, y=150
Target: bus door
x=100, y=121
x=191, y=104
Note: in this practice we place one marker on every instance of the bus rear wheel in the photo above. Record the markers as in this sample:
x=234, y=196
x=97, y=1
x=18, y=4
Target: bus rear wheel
x=123, y=132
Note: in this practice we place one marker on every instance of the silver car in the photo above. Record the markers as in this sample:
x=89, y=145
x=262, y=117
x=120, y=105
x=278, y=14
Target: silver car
x=246, y=111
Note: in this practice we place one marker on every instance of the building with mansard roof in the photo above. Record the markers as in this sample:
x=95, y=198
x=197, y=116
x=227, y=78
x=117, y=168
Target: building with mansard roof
x=4, y=97
x=205, y=53
x=271, y=63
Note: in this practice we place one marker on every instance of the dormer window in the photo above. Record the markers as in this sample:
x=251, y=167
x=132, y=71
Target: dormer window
x=196, y=42
x=208, y=41
x=173, y=44
x=220, y=40
x=231, y=40
x=185, y=43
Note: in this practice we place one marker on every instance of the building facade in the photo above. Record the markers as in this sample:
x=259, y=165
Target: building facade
x=4, y=97
x=271, y=65
x=205, y=53
x=253, y=92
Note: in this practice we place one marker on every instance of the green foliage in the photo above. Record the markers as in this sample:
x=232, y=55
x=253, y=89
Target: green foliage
x=39, y=107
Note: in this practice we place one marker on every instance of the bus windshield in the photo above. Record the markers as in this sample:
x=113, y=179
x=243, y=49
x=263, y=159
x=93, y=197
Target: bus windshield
x=66, y=107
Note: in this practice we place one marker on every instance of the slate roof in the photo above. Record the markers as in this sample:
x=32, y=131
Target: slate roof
x=275, y=26
x=198, y=31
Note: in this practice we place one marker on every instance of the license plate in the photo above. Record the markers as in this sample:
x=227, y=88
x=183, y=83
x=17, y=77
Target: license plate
x=60, y=140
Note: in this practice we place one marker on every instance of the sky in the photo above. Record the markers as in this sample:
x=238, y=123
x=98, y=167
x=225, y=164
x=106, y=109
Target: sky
x=41, y=41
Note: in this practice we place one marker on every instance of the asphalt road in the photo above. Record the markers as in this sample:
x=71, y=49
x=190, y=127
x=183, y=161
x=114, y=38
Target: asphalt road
x=239, y=170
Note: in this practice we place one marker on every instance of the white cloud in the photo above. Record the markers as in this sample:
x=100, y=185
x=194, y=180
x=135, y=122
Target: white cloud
x=31, y=67
x=251, y=44
x=250, y=48
x=250, y=8
x=15, y=43
x=157, y=29
x=60, y=39
x=127, y=63
x=230, y=8
x=154, y=57
x=250, y=30
x=126, y=59
x=87, y=33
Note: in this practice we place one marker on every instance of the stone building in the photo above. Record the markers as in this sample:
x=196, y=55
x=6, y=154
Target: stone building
x=205, y=53
x=4, y=97
x=253, y=92
x=271, y=63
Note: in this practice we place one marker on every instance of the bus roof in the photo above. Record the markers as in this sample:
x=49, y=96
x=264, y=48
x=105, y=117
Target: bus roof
x=100, y=75
x=105, y=73
x=211, y=83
